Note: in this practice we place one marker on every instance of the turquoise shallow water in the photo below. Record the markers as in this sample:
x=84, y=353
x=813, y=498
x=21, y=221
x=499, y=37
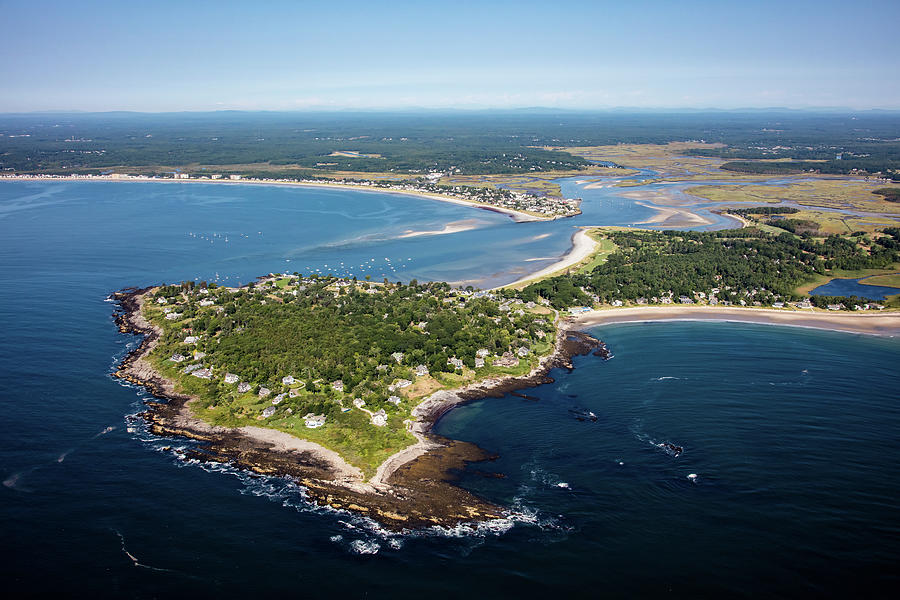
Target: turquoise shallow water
x=792, y=433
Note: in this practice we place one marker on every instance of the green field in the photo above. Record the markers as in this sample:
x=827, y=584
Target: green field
x=892, y=280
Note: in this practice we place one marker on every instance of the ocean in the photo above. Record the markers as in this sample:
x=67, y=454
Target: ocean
x=791, y=434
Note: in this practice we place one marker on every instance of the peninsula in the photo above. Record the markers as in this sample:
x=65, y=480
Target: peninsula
x=337, y=382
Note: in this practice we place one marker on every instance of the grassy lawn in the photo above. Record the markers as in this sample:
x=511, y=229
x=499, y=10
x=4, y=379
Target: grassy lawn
x=605, y=247
x=892, y=280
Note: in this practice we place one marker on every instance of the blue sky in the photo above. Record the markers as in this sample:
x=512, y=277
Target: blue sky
x=170, y=56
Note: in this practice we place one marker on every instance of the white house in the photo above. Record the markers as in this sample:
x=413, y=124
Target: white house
x=379, y=419
x=313, y=421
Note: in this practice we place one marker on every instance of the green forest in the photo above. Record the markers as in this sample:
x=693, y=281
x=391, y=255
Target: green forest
x=740, y=266
x=465, y=142
x=280, y=350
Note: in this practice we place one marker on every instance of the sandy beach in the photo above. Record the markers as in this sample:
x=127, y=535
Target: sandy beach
x=886, y=324
x=583, y=246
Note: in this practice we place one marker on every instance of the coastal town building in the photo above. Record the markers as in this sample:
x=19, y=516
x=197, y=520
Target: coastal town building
x=399, y=384
x=507, y=360
x=314, y=421
x=202, y=373
x=379, y=419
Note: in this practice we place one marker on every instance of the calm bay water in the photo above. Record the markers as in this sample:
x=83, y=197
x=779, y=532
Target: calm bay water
x=854, y=287
x=792, y=433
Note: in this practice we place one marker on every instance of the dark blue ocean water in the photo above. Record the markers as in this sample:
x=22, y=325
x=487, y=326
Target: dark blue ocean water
x=854, y=287
x=793, y=433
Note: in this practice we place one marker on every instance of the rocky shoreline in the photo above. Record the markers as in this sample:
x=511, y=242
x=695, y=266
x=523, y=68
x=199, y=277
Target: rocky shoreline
x=411, y=490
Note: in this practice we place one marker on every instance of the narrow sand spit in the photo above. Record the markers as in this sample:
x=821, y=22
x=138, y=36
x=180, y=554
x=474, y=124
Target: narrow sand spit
x=583, y=246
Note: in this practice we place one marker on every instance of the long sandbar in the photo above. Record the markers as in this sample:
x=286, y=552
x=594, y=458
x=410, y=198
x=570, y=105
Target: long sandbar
x=886, y=324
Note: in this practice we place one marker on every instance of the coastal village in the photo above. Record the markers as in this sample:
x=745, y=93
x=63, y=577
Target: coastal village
x=753, y=297
x=209, y=331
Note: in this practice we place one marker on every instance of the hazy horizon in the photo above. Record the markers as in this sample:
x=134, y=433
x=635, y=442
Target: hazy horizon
x=101, y=56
